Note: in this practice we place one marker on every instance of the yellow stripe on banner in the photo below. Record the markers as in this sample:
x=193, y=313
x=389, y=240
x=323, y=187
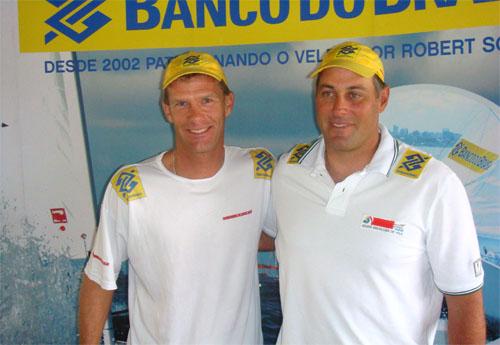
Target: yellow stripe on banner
x=82, y=25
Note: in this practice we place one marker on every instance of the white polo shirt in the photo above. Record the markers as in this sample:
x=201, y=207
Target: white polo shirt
x=367, y=260
x=191, y=247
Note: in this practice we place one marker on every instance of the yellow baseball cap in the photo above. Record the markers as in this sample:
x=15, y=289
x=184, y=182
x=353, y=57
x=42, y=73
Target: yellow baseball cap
x=353, y=56
x=192, y=62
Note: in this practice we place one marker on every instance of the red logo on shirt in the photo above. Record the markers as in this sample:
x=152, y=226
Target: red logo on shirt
x=241, y=214
x=387, y=225
x=105, y=263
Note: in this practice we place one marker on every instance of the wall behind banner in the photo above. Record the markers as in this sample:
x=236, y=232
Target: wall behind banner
x=445, y=89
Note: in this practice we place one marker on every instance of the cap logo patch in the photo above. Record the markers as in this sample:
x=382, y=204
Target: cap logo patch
x=128, y=185
x=412, y=163
x=191, y=60
x=263, y=164
x=347, y=50
x=298, y=151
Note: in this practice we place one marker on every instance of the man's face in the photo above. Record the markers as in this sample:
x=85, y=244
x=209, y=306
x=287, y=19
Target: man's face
x=197, y=109
x=347, y=110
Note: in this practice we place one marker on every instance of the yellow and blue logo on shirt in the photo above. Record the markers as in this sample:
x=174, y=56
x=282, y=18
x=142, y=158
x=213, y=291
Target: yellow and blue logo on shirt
x=412, y=163
x=297, y=152
x=128, y=185
x=263, y=163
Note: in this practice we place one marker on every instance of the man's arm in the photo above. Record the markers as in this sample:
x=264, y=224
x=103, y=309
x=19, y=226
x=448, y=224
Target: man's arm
x=95, y=303
x=266, y=243
x=466, y=324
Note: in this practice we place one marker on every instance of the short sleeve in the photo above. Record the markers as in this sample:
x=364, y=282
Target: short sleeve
x=110, y=243
x=452, y=243
x=270, y=226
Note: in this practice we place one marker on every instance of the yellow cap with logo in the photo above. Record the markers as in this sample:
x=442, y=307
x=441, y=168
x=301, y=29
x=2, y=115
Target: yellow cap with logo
x=353, y=56
x=192, y=62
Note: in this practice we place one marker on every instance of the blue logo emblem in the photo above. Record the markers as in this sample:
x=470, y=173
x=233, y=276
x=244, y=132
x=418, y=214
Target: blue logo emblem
x=264, y=161
x=126, y=182
x=69, y=17
x=413, y=162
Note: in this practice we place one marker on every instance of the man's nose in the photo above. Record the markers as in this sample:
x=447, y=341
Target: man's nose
x=340, y=105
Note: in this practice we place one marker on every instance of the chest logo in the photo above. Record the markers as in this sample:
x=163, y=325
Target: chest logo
x=263, y=164
x=128, y=185
x=412, y=164
x=381, y=224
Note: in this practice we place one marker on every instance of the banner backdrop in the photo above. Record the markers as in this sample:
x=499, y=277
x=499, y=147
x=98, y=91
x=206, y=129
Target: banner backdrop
x=56, y=25
x=69, y=120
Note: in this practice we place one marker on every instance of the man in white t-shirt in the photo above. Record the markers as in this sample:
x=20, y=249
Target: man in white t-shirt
x=371, y=232
x=188, y=221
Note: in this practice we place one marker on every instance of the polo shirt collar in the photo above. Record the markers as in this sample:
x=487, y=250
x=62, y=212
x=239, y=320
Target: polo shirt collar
x=382, y=161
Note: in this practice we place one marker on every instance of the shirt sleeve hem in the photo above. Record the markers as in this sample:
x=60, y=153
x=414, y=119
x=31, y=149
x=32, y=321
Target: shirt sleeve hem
x=96, y=279
x=460, y=293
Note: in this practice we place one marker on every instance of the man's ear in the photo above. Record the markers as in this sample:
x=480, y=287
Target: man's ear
x=166, y=111
x=228, y=104
x=384, y=98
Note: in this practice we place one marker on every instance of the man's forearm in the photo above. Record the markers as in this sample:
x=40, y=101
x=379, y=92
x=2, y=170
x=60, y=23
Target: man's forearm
x=466, y=323
x=95, y=303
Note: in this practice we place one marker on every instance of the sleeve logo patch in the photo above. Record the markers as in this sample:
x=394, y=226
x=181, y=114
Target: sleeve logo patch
x=263, y=164
x=478, y=268
x=298, y=151
x=412, y=164
x=128, y=184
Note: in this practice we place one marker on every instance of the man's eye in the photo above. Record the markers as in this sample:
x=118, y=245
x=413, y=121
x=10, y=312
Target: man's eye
x=207, y=100
x=355, y=95
x=327, y=93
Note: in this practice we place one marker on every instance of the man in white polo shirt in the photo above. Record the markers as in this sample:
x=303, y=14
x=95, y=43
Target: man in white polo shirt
x=189, y=221
x=371, y=232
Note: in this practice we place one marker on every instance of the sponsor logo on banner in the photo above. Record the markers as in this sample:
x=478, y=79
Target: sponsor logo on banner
x=128, y=185
x=263, y=164
x=381, y=224
x=76, y=19
x=85, y=25
x=58, y=215
x=472, y=156
x=412, y=164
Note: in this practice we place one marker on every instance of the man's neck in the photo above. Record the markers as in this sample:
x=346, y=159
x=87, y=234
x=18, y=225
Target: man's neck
x=341, y=164
x=194, y=165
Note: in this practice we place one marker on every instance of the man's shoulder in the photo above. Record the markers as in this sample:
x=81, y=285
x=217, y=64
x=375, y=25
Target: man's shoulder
x=299, y=152
x=140, y=167
x=415, y=163
x=127, y=181
x=260, y=158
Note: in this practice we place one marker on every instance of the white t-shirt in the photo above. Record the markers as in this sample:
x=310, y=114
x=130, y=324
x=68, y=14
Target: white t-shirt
x=192, y=249
x=366, y=260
